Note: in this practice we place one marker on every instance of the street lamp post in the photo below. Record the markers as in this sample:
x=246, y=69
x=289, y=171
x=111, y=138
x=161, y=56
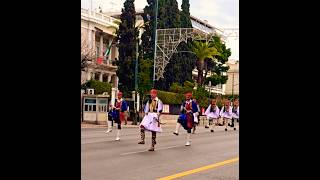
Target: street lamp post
x=209, y=89
x=232, y=84
x=136, y=83
x=155, y=43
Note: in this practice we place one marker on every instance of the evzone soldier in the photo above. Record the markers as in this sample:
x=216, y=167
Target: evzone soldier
x=119, y=108
x=226, y=114
x=188, y=110
x=212, y=114
x=196, y=117
x=151, y=121
x=235, y=112
x=110, y=119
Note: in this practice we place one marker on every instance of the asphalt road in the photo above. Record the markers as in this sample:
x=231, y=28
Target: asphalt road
x=103, y=158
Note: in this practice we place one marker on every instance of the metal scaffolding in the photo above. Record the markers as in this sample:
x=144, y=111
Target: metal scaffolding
x=167, y=41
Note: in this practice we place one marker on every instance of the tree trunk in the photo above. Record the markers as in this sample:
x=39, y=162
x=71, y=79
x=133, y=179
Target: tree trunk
x=200, y=72
x=205, y=69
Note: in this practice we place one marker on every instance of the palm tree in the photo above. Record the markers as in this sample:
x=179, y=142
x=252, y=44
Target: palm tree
x=203, y=50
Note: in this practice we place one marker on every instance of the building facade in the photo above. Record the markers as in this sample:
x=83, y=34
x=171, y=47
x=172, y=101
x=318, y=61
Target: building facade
x=97, y=35
x=232, y=85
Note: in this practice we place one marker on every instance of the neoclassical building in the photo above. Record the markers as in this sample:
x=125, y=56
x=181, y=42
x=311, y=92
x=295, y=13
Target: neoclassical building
x=232, y=85
x=97, y=34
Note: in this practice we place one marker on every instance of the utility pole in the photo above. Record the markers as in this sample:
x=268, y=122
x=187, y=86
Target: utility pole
x=136, y=83
x=232, y=84
x=155, y=43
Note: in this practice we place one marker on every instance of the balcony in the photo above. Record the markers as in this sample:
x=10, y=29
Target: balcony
x=98, y=18
x=105, y=64
x=214, y=89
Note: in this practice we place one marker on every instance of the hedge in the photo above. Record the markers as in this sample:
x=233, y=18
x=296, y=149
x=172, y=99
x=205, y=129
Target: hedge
x=202, y=98
x=170, y=97
x=98, y=86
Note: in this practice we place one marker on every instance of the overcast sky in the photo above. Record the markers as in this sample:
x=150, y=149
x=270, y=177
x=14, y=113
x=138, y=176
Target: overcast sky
x=219, y=13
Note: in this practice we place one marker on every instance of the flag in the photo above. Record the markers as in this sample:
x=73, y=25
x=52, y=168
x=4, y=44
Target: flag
x=99, y=60
x=108, y=49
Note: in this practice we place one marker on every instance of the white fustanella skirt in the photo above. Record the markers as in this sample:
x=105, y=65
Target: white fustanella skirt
x=150, y=123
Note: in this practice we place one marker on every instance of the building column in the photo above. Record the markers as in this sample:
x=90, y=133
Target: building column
x=90, y=37
x=113, y=95
x=100, y=77
x=88, y=75
x=93, y=75
x=116, y=82
x=94, y=41
x=101, y=46
x=109, y=78
x=223, y=88
x=116, y=53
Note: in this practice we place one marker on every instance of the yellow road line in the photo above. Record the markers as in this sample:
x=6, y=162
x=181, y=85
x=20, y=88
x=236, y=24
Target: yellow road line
x=199, y=169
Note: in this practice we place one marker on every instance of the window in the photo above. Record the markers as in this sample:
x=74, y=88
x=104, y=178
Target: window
x=97, y=51
x=103, y=105
x=165, y=108
x=89, y=104
x=92, y=105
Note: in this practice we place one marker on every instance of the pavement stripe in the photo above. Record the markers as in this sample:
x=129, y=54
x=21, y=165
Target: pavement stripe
x=185, y=173
x=156, y=149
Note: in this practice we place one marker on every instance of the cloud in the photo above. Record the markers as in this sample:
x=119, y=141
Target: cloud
x=218, y=13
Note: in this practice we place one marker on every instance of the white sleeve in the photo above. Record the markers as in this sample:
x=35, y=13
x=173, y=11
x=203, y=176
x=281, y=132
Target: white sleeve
x=221, y=111
x=181, y=108
x=238, y=110
x=217, y=111
x=146, y=108
x=160, y=105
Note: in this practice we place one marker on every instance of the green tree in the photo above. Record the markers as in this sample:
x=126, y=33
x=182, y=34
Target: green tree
x=147, y=37
x=168, y=17
x=185, y=15
x=181, y=63
x=171, y=15
x=145, y=81
x=179, y=69
x=201, y=95
x=203, y=50
x=177, y=88
x=127, y=36
x=218, y=65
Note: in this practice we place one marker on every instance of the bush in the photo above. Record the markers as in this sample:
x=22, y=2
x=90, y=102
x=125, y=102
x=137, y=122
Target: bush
x=177, y=88
x=230, y=97
x=201, y=95
x=170, y=97
x=99, y=87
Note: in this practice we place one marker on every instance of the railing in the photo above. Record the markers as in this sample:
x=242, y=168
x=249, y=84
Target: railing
x=85, y=11
x=214, y=89
x=99, y=16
